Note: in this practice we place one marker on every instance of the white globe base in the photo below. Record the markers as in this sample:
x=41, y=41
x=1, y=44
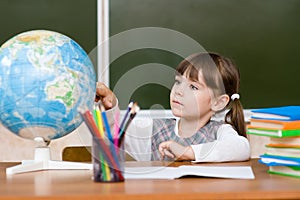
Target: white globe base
x=42, y=162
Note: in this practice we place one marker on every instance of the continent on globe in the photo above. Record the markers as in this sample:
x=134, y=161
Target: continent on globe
x=45, y=77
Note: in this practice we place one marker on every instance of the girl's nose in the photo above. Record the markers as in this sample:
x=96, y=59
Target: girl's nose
x=179, y=91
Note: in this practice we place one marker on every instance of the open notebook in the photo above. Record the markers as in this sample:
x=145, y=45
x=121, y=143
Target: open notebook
x=234, y=172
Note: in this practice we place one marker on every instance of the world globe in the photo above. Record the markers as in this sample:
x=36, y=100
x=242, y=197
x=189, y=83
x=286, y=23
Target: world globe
x=45, y=77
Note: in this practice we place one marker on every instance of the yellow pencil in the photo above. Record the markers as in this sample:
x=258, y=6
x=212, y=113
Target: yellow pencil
x=99, y=121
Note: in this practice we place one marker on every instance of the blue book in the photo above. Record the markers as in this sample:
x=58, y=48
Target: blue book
x=274, y=160
x=285, y=113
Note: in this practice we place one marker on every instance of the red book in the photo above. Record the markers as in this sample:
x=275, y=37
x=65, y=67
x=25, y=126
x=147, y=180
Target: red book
x=275, y=124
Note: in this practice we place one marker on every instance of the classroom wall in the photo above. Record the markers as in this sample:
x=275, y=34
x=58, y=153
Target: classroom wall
x=260, y=36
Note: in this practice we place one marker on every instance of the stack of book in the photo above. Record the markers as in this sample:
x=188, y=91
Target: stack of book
x=282, y=126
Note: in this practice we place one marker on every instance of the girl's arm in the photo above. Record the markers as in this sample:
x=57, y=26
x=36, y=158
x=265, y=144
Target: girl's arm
x=229, y=146
x=174, y=150
x=138, y=134
x=138, y=139
x=105, y=95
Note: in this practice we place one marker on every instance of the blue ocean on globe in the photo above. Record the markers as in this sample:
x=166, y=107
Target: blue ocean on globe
x=45, y=77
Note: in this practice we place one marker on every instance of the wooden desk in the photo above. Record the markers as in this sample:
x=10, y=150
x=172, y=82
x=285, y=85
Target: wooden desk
x=77, y=184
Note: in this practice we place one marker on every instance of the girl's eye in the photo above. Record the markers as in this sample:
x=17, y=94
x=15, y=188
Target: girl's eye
x=194, y=87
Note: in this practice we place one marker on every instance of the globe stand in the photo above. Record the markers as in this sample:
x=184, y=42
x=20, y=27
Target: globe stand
x=42, y=161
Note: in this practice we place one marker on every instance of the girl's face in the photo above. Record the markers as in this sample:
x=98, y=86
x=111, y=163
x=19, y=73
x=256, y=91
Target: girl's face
x=191, y=99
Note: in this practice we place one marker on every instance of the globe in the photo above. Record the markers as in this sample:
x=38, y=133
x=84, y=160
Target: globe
x=45, y=78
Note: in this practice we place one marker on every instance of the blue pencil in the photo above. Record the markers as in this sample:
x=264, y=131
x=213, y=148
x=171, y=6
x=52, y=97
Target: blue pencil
x=133, y=111
x=121, y=129
x=106, y=124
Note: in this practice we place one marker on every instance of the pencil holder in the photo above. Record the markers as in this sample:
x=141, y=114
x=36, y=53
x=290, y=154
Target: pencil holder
x=108, y=161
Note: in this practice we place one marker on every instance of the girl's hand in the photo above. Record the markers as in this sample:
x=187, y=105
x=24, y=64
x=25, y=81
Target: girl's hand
x=105, y=95
x=164, y=149
x=174, y=150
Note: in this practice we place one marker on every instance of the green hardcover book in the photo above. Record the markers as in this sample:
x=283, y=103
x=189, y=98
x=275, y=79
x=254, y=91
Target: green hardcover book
x=273, y=133
x=285, y=171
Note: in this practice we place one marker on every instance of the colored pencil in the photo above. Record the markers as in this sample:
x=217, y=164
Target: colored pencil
x=106, y=124
x=98, y=120
x=116, y=129
x=135, y=108
x=109, y=135
x=125, y=117
x=88, y=119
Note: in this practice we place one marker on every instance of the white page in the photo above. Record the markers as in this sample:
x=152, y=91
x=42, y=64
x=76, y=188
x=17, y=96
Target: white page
x=237, y=172
x=150, y=172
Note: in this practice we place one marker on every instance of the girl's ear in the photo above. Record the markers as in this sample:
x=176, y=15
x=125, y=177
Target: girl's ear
x=220, y=103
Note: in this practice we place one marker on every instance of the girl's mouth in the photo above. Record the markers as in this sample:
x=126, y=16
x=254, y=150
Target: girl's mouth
x=177, y=102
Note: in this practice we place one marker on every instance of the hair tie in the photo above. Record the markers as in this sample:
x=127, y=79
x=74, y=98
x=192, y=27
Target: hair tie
x=235, y=96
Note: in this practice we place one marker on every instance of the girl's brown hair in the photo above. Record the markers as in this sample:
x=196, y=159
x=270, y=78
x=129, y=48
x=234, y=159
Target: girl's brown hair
x=222, y=76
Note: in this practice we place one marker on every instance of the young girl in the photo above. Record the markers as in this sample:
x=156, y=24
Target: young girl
x=205, y=83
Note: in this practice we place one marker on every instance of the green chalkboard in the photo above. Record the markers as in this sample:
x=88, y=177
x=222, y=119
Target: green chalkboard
x=262, y=37
x=74, y=18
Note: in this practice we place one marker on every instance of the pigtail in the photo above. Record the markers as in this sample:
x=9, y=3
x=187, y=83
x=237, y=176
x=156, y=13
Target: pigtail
x=231, y=79
x=235, y=117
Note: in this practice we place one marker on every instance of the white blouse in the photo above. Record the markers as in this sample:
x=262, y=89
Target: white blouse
x=229, y=146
